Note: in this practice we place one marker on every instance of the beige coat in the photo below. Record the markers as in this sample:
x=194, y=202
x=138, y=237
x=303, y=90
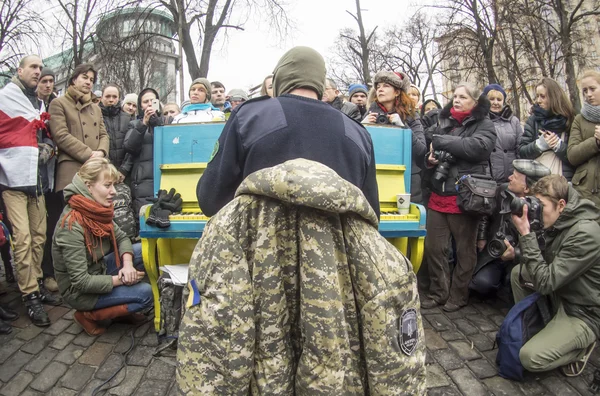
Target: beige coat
x=77, y=129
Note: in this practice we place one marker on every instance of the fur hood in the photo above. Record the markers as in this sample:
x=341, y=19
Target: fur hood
x=480, y=111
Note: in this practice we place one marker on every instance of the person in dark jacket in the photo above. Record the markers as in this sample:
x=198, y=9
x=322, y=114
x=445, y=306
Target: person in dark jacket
x=389, y=98
x=331, y=95
x=430, y=111
x=139, y=143
x=265, y=131
x=508, y=133
x=116, y=122
x=467, y=134
x=358, y=94
x=546, y=135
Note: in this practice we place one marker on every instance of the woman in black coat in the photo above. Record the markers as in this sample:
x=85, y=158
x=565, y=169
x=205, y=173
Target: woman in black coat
x=461, y=145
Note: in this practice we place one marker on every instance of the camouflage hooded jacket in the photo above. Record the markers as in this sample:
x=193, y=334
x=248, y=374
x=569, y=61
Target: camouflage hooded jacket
x=294, y=292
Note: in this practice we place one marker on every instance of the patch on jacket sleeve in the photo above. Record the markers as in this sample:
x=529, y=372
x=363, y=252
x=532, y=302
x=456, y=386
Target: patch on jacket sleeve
x=408, y=334
x=214, y=152
x=194, y=297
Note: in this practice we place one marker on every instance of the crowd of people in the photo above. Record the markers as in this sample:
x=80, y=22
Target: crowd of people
x=73, y=213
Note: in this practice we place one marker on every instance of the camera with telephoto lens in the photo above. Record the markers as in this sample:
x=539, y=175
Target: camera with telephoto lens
x=496, y=246
x=445, y=159
x=510, y=203
x=382, y=119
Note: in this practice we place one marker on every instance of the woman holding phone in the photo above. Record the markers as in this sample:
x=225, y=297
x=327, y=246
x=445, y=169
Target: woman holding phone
x=546, y=135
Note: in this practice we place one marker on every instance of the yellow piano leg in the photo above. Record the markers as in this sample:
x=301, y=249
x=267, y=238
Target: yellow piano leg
x=149, y=256
x=417, y=246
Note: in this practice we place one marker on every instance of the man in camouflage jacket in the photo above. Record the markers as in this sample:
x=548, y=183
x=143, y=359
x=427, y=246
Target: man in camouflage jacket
x=293, y=291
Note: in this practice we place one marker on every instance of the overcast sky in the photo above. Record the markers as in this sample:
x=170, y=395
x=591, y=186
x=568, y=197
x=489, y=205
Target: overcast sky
x=248, y=56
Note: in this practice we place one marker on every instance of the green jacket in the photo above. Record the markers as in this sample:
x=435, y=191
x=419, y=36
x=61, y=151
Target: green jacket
x=584, y=153
x=80, y=279
x=569, y=268
x=295, y=292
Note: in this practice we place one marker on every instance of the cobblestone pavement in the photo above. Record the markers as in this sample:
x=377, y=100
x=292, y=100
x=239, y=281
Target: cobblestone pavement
x=63, y=360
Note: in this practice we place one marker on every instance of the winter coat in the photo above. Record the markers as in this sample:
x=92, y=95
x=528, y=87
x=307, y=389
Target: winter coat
x=80, y=279
x=295, y=292
x=508, y=135
x=419, y=148
x=348, y=108
x=583, y=152
x=116, y=122
x=568, y=270
x=206, y=115
x=77, y=129
x=470, y=143
x=529, y=150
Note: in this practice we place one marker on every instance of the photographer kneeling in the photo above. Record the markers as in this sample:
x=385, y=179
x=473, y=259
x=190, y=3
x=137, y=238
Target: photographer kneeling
x=497, y=239
x=567, y=270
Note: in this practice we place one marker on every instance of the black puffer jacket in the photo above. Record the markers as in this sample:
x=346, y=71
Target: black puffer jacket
x=470, y=143
x=348, y=108
x=116, y=122
x=418, y=151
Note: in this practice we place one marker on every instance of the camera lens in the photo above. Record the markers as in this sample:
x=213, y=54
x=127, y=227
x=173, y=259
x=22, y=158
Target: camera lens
x=496, y=248
x=382, y=119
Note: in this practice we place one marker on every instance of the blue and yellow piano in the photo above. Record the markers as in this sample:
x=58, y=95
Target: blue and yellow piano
x=181, y=153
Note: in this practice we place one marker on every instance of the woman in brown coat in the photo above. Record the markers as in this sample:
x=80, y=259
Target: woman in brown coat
x=77, y=126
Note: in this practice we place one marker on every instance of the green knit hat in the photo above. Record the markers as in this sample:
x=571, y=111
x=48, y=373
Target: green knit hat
x=300, y=67
x=206, y=84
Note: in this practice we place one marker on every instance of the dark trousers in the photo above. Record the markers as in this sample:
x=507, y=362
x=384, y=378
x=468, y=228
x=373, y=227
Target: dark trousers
x=444, y=286
x=54, y=206
x=488, y=280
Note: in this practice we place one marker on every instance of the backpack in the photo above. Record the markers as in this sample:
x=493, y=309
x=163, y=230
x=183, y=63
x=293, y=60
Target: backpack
x=171, y=298
x=124, y=216
x=524, y=320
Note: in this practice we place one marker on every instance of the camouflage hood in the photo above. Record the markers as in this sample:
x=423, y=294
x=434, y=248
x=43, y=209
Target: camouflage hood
x=309, y=183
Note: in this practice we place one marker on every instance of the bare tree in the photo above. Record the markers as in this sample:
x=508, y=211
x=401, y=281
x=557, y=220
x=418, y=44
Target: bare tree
x=19, y=24
x=208, y=17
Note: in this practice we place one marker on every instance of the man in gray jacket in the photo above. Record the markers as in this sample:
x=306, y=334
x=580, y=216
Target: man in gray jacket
x=331, y=95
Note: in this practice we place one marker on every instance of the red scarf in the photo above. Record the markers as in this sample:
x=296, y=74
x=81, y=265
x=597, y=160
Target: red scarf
x=97, y=223
x=459, y=116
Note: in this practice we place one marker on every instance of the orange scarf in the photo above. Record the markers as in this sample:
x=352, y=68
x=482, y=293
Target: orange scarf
x=97, y=223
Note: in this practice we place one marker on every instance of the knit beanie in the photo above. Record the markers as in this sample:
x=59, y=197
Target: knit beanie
x=494, y=87
x=237, y=94
x=130, y=98
x=206, y=84
x=300, y=67
x=397, y=80
x=356, y=88
x=46, y=71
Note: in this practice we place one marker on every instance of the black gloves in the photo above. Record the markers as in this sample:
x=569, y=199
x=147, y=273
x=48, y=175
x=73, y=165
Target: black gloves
x=166, y=204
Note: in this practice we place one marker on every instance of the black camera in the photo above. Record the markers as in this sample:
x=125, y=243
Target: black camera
x=510, y=203
x=496, y=246
x=382, y=119
x=445, y=159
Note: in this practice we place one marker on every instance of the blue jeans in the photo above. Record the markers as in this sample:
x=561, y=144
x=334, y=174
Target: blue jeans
x=137, y=297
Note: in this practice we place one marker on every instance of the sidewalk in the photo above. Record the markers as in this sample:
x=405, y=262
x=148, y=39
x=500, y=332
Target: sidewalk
x=61, y=360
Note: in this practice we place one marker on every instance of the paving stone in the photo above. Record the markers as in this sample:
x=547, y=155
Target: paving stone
x=452, y=335
x=49, y=377
x=426, y=324
x=482, y=368
x=41, y=360
x=57, y=313
x=455, y=315
x=9, y=348
x=13, y=365
x=77, y=376
x=491, y=355
x=582, y=382
x=484, y=308
x=29, y=392
x=430, y=311
x=95, y=355
x=58, y=327
x=429, y=358
x=5, y=338
x=160, y=370
x=448, y=359
x=465, y=326
x=558, y=387
x=445, y=391
x=84, y=340
x=481, y=342
x=123, y=345
x=152, y=388
x=140, y=356
x=531, y=388
x=74, y=329
x=60, y=391
x=464, y=350
x=29, y=332
x=436, y=376
x=140, y=331
x=37, y=344
x=482, y=323
x=69, y=315
x=131, y=381
x=439, y=322
x=434, y=341
x=467, y=383
x=502, y=387
x=93, y=384
x=109, y=367
x=497, y=319
x=17, y=384
x=69, y=355
x=151, y=339
x=62, y=341
x=114, y=333
x=174, y=391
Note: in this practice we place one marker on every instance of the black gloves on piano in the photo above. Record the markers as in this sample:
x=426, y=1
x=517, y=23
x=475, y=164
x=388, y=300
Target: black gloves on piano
x=166, y=204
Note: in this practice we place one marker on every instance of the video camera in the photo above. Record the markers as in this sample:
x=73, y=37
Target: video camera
x=445, y=160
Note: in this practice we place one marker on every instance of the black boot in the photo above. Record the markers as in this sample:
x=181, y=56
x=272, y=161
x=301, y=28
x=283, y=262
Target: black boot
x=5, y=328
x=47, y=296
x=8, y=315
x=35, y=309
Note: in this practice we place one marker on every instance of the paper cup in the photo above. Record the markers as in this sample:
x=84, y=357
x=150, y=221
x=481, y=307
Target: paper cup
x=403, y=202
